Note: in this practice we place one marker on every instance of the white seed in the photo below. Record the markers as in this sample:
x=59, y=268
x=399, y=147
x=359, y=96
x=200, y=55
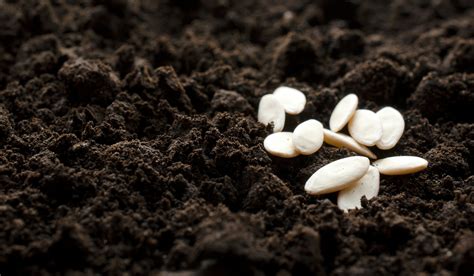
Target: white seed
x=393, y=126
x=292, y=99
x=280, y=144
x=365, y=127
x=341, y=140
x=343, y=112
x=367, y=186
x=399, y=165
x=308, y=137
x=270, y=110
x=337, y=175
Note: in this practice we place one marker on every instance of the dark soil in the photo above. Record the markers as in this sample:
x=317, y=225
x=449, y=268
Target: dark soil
x=129, y=142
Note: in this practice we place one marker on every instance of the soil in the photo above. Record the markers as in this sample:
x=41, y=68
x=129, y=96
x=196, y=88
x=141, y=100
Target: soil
x=129, y=142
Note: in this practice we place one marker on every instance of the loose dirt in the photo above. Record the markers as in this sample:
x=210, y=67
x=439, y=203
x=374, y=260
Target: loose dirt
x=129, y=141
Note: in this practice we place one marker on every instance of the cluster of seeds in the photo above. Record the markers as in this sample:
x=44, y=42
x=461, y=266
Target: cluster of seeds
x=353, y=177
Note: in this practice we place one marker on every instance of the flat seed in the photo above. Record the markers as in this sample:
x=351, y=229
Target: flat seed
x=308, y=137
x=337, y=175
x=399, y=165
x=343, y=112
x=367, y=186
x=365, y=127
x=270, y=110
x=340, y=140
x=292, y=99
x=393, y=126
x=280, y=144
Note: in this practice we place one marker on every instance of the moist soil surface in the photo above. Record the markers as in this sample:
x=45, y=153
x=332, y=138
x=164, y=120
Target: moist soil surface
x=129, y=142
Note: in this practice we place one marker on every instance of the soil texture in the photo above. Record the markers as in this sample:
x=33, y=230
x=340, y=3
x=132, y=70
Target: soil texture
x=129, y=142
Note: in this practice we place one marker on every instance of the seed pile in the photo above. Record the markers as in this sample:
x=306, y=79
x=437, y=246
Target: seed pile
x=353, y=177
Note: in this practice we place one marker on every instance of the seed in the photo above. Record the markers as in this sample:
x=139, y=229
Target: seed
x=399, y=165
x=367, y=186
x=340, y=140
x=280, y=144
x=365, y=127
x=292, y=99
x=308, y=137
x=337, y=175
x=392, y=127
x=343, y=112
x=271, y=111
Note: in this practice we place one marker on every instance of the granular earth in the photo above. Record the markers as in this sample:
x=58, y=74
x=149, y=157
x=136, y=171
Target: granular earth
x=129, y=142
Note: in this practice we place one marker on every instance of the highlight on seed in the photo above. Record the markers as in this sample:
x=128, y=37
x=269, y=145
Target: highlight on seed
x=308, y=137
x=368, y=186
x=393, y=126
x=292, y=99
x=281, y=144
x=341, y=140
x=337, y=175
x=399, y=165
x=270, y=110
x=365, y=127
x=343, y=112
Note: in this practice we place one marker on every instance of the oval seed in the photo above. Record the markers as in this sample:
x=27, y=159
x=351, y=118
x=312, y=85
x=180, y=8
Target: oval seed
x=280, y=144
x=270, y=110
x=393, y=126
x=399, y=165
x=367, y=186
x=308, y=137
x=343, y=112
x=292, y=99
x=365, y=127
x=340, y=140
x=337, y=175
